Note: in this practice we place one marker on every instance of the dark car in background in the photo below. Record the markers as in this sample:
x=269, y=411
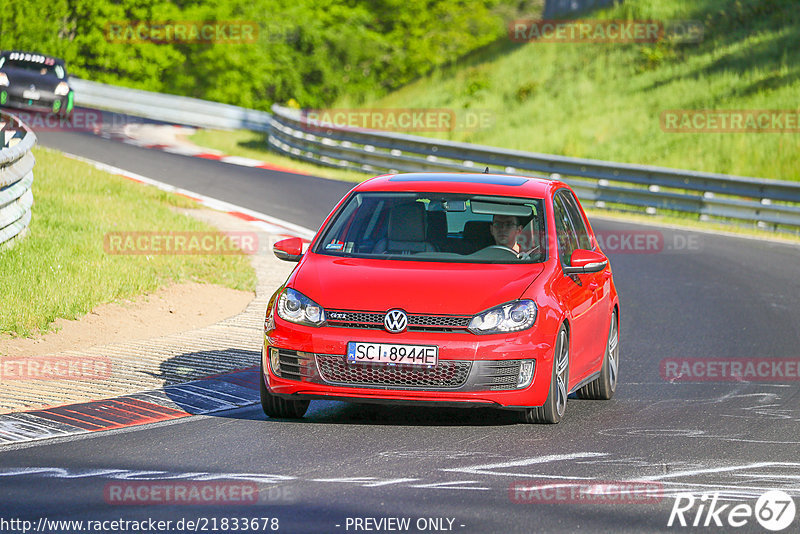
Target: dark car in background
x=34, y=82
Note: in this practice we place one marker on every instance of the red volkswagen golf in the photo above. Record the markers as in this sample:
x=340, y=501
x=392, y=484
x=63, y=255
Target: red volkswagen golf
x=445, y=289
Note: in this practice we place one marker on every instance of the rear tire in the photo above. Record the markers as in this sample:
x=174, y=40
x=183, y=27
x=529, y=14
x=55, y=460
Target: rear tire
x=278, y=408
x=556, y=404
x=604, y=386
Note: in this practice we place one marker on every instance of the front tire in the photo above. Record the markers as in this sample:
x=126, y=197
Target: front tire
x=604, y=386
x=556, y=404
x=278, y=408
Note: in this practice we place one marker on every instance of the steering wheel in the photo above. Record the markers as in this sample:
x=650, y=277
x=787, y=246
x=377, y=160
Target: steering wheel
x=503, y=247
x=527, y=254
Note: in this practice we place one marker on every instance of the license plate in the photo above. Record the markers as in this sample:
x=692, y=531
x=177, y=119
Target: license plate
x=427, y=355
x=31, y=95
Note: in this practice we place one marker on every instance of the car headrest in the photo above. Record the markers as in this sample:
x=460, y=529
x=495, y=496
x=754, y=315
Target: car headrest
x=479, y=233
x=437, y=225
x=407, y=222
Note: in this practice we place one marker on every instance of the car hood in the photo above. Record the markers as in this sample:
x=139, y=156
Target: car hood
x=414, y=286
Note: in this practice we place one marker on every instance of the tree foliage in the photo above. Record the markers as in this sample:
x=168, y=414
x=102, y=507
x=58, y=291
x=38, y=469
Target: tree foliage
x=312, y=51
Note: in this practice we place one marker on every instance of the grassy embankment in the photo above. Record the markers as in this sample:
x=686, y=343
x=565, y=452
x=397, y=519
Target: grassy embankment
x=604, y=100
x=60, y=270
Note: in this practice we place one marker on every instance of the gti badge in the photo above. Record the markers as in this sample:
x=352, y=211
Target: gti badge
x=396, y=321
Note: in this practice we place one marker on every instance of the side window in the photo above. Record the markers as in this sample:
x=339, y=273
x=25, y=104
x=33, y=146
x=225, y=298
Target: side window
x=571, y=205
x=567, y=239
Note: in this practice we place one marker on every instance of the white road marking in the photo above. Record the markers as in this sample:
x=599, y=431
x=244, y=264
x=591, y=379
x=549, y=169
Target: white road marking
x=726, y=469
x=183, y=151
x=22, y=429
x=762, y=475
x=244, y=162
x=452, y=485
x=671, y=487
x=389, y=482
x=126, y=474
x=487, y=469
x=354, y=480
x=771, y=442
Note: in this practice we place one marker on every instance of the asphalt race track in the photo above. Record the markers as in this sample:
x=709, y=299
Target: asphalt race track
x=352, y=468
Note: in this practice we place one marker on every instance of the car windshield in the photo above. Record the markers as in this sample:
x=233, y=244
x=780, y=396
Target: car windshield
x=34, y=66
x=442, y=227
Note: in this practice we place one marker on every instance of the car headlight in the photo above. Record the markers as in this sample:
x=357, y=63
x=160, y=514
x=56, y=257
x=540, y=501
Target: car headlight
x=508, y=317
x=269, y=321
x=295, y=307
x=61, y=89
x=3, y=79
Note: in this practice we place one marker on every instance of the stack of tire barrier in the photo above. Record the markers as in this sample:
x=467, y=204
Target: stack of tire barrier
x=16, y=178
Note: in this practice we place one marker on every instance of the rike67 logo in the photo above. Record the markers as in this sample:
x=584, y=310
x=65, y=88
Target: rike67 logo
x=774, y=510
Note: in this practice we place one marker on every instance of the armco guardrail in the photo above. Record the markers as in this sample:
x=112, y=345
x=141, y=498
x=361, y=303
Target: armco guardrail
x=772, y=204
x=169, y=108
x=16, y=178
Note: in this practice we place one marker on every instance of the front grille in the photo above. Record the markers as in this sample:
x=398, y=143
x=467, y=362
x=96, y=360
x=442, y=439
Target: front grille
x=295, y=365
x=416, y=322
x=447, y=374
x=439, y=321
x=356, y=317
x=499, y=375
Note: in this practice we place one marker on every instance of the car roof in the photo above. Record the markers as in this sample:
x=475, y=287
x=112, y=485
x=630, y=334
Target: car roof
x=457, y=182
x=54, y=60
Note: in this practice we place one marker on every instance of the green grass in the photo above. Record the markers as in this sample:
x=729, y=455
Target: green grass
x=60, y=270
x=254, y=145
x=604, y=101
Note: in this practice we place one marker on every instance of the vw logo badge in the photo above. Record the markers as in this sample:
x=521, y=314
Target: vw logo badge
x=395, y=321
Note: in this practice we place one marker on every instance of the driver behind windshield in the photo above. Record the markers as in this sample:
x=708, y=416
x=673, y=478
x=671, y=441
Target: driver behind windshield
x=505, y=229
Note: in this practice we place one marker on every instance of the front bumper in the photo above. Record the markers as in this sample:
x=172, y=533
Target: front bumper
x=47, y=101
x=472, y=370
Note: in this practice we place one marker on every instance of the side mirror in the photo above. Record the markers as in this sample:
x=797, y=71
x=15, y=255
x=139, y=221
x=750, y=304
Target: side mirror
x=290, y=249
x=586, y=262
